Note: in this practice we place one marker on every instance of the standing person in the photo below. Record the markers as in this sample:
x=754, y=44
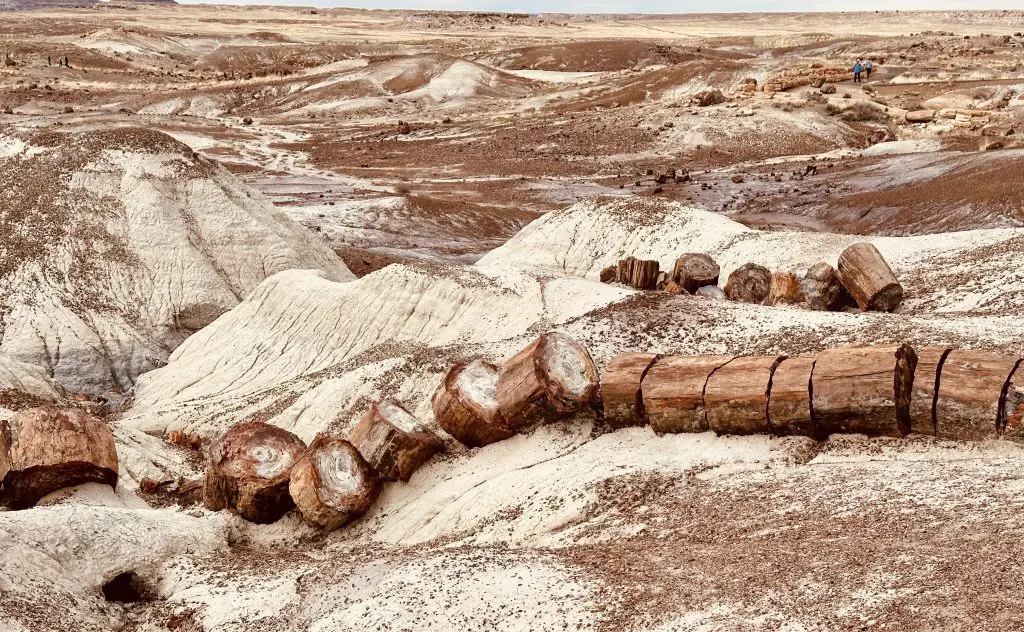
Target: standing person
x=49, y=60
x=857, y=69
x=868, y=67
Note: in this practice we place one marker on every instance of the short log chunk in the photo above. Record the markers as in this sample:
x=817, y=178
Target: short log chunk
x=789, y=400
x=694, y=270
x=247, y=471
x=621, y=389
x=644, y=274
x=749, y=283
x=608, y=274
x=869, y=279
x=863, y=390
x=784, y=289
x=736, y=396
x=673, y=392
x=926, y=379
x=466, y=404
x=46, y=449
x=822, y=289
x=550, y=379
x=393, y=441
x=332, y=484
x=971, y=391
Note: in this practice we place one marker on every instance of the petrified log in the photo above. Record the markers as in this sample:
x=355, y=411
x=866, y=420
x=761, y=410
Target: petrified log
x=621, y=386
x=920, y=116
x=673, y=392
x=869, y=278
x=784, y=289
x=46, y=449
x=789, y=400
x=972, y=386
x=332, y=484
x=466, y=404
x=694, y=270
x=643, y=274
x=926, y=380
x=248, y=469
x=863, y=389
x=552, y=378
x=1013, y=406
x=608, y=274
x=393, y=441
x=748, y=283
x=736, y=395
x=822, y=289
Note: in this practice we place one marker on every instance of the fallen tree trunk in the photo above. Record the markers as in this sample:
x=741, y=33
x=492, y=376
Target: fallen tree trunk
x=789, y=400
x=869, y=279
x=552, y=378
x=393, y=441
x=43, y=450
x=822, y=289
x=926, y=381
x=736, y=396
x=466, y=405
x=248, y=470
x=673, y=392
x=784, y=289
x=1013, y=406
x=694, y=270
x=332, y=484
x=972, y=387
x=643, y=274
x=863, y=390
x=621, y=389
x=748, y=283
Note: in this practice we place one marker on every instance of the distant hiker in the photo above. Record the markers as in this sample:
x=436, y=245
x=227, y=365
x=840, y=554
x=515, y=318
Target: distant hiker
x=67, y=64
x=49, y=60
x=868, y=67
x=857, y=69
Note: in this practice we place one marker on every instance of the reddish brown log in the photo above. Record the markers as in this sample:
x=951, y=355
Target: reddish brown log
x=789, y=400
x=332, y=484
x=784, y=289
x=865, y=390
x=393, y=441
x=694, y=270
x=748, y=283
x=673, y=392
x=926, y=379
x=466, y=404
x=643, y=274
x=247, y=471
x=43, y=450
x=870, y=280
x=608, y=274
x=552, y=378
x=822, y=289
x=1013, y=406
x=736, y=395
x=972, y=386
x=621, y=389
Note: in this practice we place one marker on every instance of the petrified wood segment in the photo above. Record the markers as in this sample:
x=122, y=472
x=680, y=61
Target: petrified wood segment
x=621, y=389
x=1013, y=406
x=926, y=380
x=784, y=289
x=736, y=396
x=869, y=279
x=972, y=386
x=673, y=392
x=248, y=470
x=466, y=404
x=789, y=401
x=332, y=484
x=393, y=441
x=694, y=270
x=822, y=289
x=553, y=377
x=43, y=450
x=749, y=283
x=865, y=390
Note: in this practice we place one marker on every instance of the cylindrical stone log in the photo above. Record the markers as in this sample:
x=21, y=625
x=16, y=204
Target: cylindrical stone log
x=608, y=274
x=869, y=279
x=332, y=484
x=621, y=389
x=784, y=289
x=662, y=280
x=920, y=116
x=552, y=378
x=694, y=270
x=466, y=405
x=673, y=392
x=972, y=386
x=789, y=400
x=624, y=270
x=926, y=379
x=247, y=471
x=644, y=274
x=749, y=283
x=43, y=450
x=736, y=396
x=1013, y=406
x=393, y=441
x=822, y=289
x=863, y=390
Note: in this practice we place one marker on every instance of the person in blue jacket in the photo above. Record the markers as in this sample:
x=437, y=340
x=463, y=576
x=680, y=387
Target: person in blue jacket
x=857, y=69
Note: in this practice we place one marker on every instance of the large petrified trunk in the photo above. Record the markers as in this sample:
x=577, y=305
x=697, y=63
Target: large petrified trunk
x=673, y=392
x=393, y=441
x=552, y=378
x=621, y=389
x=789, y=400
x=869, y=279
x=332, y=484
x=749, y=283
x=736, y=395
x=822, y=289
x=972, y=386
x=694, y=270
x=926, y=381
x=784, y=289
x=466, y=404
x=639, y=273
x=247, y=471
x=46, y=449
x=1013, y=406
x=864, y=389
